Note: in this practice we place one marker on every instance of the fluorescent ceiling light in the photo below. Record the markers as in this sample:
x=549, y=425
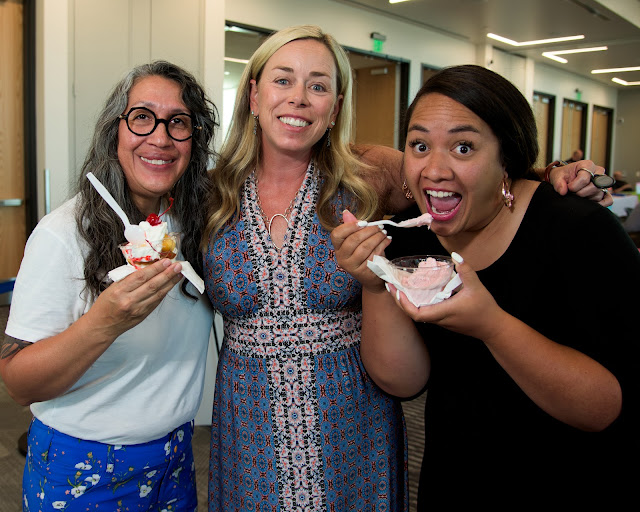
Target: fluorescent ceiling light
x=624, y=82
x=240, y=61
x=397, y=1
x=614, y=70
x=554, y=55
x=530, y=43
x=580, y=50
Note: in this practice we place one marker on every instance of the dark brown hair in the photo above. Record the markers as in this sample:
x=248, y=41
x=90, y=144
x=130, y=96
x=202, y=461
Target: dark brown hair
x=498, y=103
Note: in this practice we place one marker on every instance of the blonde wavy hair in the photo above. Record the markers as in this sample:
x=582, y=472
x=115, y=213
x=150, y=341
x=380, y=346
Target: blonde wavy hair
x=240, y=154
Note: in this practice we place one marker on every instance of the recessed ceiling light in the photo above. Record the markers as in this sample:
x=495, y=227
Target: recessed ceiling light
x=624, y=82
x=615, y=70
x=530, y=43
x=554, y=55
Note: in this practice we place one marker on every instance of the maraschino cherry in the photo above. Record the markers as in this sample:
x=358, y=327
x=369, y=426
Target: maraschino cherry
x=154, y=219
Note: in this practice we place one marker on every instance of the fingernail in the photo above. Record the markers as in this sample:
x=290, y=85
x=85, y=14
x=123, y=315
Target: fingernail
x=456, y=257
x=386, y=285
x=166, y=263
x=398, y=295
x=389, y=237
x=362, y=223
x=384, y=231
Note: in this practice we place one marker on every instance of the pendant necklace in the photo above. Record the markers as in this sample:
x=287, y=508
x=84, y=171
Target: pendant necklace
x=269, y=222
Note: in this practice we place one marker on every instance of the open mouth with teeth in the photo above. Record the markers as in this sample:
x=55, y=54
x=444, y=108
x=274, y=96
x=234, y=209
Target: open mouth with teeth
x=155, y=162
x=441, y=203
x=294, y=121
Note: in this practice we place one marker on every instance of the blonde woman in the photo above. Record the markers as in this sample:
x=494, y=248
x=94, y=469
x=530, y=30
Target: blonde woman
x=297, y=422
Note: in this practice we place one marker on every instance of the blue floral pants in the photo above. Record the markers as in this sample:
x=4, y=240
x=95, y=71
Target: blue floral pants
x=67, y=473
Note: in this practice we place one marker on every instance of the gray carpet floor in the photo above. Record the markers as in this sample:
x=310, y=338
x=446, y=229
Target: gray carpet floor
x=14, y=421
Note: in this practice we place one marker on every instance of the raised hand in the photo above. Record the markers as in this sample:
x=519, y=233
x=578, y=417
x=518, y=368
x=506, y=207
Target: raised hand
x=354, y=245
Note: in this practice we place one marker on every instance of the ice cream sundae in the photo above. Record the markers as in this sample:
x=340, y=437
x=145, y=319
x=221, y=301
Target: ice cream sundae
x=158, y=243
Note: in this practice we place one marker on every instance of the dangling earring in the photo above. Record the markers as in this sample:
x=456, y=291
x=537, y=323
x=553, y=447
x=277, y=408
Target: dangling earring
x=507, y=196
x=407, y=192
x=255, y=123
x=329, y=134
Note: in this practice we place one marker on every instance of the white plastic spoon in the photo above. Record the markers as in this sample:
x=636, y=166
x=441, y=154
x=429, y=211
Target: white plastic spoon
x=424, y=220
x=132, y=232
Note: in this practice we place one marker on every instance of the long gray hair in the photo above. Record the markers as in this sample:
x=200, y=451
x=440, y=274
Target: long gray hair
x=97, y=223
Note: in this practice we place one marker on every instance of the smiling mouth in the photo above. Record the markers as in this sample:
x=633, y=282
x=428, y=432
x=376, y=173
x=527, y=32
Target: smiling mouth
x=155, y=162
x=442, y=202
x=294, y=121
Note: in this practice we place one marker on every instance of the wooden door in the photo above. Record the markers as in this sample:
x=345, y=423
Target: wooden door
x=375, y=99
x=573, y=128
x=601, y=135
x=12, y=178
x=543, y=109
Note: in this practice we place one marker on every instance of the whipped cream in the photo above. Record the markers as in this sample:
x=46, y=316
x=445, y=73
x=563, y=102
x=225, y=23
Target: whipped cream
x=159, y=243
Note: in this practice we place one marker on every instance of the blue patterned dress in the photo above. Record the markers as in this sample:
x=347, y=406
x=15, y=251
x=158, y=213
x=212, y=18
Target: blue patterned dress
x=297, y=423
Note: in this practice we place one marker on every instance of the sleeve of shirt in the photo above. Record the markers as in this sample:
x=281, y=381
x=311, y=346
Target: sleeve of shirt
x=608, y=277
x=48, y=294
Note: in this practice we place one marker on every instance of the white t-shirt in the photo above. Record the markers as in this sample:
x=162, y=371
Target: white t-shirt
x=148, y=382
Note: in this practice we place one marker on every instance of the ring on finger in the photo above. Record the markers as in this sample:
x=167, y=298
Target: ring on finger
x=585, y=169
x=604, y=195
x=602, y=181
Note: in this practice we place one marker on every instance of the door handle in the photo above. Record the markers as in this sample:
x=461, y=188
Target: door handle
x=10, y=202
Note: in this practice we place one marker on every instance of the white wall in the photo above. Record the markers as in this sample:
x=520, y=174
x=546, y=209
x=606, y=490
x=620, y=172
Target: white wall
x=54, y=107
x=85, y=46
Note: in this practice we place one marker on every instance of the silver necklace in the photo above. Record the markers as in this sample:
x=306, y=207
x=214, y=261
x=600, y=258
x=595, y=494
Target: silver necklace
x=269, y=222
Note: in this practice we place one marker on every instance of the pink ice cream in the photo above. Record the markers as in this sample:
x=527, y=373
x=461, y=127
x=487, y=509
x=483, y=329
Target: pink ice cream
x=424, y=220
x=428, y=279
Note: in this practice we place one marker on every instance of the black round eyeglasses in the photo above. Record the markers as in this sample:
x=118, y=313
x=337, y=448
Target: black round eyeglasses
x=142, y=121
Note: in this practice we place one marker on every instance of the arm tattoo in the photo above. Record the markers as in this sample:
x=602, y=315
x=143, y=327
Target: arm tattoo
x=11, y=346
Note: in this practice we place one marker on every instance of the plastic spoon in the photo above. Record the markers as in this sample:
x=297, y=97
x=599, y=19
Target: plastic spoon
x=424, y=220
x=133, y=233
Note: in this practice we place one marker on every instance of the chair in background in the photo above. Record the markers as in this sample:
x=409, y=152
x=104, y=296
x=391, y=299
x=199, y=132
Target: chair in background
x=6, y=286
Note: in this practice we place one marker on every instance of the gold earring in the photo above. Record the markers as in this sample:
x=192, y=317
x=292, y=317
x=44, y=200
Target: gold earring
x=507, y=196
x=407, y=192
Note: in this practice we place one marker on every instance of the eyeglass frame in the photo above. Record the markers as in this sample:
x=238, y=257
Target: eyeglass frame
x=158, y=121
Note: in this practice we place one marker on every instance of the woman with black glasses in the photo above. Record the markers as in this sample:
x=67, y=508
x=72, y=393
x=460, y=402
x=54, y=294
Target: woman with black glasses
x=113, y=372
